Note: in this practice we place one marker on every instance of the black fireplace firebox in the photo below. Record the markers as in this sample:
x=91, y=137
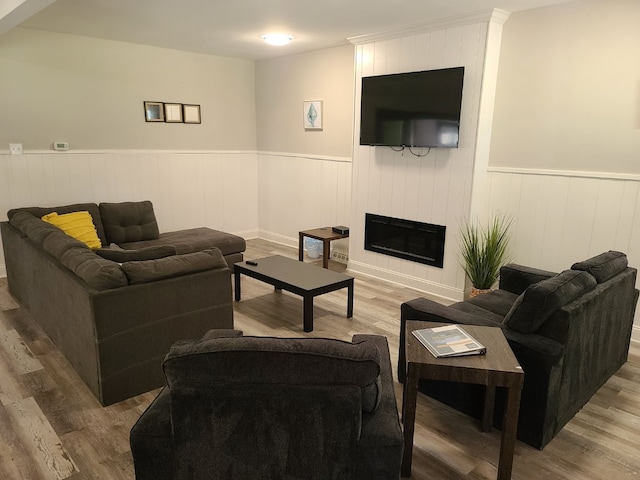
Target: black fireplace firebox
x=416, y=241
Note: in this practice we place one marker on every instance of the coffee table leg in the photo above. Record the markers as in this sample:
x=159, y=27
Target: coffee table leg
x=350, y=299
x=236, y=281
x=307, y=306
x=509, y=430
x=409, y=399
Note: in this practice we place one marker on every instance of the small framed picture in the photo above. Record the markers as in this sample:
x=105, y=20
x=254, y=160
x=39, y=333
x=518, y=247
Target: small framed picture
x=312, y=114
x=191, y=113
x=154, y=111
x=173, y=112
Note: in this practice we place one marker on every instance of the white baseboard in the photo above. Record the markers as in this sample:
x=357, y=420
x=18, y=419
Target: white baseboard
x=278, y=238
x=248, y=234
x=443, y=292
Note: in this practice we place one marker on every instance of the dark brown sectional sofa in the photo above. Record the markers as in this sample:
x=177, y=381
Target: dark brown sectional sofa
x=114, y=312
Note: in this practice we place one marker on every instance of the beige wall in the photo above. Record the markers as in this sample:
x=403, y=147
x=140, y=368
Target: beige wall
x=283, y=84
x=568, y=95
x=90, y=92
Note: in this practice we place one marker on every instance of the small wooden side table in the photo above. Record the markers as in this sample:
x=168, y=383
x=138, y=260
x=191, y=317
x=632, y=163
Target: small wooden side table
x=326, y=235
x=498, y=368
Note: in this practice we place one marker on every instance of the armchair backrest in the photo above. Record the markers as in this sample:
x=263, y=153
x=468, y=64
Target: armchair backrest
x=255, y=407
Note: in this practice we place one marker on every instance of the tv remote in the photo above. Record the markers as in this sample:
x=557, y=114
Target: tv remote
x=251, y=262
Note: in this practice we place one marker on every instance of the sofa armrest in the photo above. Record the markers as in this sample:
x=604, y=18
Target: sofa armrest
x=222, y=333
x=381, y=443
x=543, y=349
x=426, y=310
x=151, y=441
x=430, y=311
x=516, y=278
x=387, y=392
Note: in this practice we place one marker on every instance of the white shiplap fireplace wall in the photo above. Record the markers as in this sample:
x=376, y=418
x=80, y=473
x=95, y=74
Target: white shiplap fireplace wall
x=447, y=185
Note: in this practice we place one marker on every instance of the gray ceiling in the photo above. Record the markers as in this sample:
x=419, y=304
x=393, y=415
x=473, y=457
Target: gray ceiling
x=233, y=27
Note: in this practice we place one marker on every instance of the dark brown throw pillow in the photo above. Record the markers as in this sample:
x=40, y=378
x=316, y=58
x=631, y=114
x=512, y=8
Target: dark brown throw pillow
x=603, y=266
x=538, y=302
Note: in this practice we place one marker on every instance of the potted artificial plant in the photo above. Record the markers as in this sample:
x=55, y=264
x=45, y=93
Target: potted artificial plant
x=484, y=251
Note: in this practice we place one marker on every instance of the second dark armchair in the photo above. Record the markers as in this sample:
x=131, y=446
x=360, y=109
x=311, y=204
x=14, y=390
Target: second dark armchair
x=272, y=408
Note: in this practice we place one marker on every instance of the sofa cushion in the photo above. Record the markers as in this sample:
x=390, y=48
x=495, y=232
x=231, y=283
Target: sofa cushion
x=174, y=266
x=603, y=266
x=78, y=225
x=129, y=221
x=479, y=314
x=194, y=240
x=98, y=272
x=496, y=301
x=536, y=304
x=284, y=361
x=59, y=242
x=120, y=255
x=34, y=228
x=40, y=212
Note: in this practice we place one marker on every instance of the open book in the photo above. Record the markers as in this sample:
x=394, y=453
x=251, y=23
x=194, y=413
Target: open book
x=449, y=341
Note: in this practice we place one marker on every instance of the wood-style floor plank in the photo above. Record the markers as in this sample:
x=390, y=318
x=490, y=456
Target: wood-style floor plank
x=51, y=426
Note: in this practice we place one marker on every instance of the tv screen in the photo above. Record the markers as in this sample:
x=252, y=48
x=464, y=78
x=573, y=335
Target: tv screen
x=417, y=109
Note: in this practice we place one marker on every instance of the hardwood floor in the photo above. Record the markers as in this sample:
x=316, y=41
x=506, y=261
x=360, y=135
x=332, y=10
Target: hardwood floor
x=51, y=426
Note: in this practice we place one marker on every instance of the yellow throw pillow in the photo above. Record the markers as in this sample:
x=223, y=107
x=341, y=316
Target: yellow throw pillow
x=78, y=225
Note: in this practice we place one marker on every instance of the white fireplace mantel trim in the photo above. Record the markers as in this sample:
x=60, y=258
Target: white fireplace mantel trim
x=489, y=15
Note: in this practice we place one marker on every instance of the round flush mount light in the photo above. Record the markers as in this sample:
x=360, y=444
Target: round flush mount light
x=277, y=39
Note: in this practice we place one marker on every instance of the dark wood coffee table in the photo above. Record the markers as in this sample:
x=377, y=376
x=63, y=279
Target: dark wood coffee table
x=303, y=279
x=498, y=368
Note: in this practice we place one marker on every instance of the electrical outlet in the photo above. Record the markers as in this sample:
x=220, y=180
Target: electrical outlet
x=342, y=257
x=15, y=148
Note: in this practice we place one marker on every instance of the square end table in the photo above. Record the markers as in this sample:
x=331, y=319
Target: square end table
x=497, y=368
x=326, y=235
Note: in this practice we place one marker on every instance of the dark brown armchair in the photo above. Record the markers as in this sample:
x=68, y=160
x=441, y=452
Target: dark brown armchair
x=270, y=408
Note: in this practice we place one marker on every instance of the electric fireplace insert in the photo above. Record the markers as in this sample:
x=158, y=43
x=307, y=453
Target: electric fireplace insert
x=407, y=239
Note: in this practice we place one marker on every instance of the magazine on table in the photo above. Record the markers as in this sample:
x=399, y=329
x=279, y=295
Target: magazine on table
x=449, y=341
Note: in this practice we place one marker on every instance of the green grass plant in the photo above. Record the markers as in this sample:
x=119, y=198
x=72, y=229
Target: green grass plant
x=484, y=250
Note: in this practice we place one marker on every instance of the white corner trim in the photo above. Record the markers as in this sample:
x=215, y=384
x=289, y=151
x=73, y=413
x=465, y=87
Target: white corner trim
x=494, y=15
x=306, y=156
x=566, y=173
x=326, y=158
x=130, y=151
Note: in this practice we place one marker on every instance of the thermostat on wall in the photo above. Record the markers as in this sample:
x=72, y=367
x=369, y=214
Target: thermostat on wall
x=61, y=146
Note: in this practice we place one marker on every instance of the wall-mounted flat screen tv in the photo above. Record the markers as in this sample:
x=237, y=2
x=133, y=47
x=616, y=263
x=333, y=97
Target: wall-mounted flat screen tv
x=416, y=109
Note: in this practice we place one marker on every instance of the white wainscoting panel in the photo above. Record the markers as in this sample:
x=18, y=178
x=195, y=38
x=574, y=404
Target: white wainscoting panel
x=560, y=218
x=188, y=189
x=298, y=192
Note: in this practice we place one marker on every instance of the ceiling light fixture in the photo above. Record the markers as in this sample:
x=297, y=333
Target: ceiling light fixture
x=278, y=39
